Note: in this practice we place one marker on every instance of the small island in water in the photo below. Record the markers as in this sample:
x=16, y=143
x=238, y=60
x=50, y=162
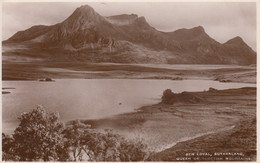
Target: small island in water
x=46, y=80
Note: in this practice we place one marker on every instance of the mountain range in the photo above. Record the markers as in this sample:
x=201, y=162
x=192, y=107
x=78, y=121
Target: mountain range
x=86, y=36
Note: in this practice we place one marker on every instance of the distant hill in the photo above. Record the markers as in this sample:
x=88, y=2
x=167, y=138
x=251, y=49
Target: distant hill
x=89, y=37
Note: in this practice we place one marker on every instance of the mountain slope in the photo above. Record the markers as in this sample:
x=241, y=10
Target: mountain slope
x=125, y=38
x=240, y=51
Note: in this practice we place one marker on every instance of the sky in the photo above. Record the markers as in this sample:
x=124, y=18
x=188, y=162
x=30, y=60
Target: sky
x=221, y=20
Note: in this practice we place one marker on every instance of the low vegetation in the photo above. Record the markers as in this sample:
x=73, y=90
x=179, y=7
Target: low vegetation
x=170, y=98
x=41, y=136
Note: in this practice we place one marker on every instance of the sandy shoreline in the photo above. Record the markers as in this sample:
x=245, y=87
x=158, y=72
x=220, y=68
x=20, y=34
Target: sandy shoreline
x=163, y=126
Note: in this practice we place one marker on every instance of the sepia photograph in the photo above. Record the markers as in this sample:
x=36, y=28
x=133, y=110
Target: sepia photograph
x=112, y=81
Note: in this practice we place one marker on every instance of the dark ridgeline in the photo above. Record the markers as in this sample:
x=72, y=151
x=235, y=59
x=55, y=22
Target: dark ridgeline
x=127, y=39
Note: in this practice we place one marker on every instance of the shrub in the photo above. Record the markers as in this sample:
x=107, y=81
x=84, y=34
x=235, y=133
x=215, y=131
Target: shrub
x=167, y=96
x=76, y=135
x=7, y=148
x=41, y=136
x=89, y=145
x=132, y=150
x=38, y=136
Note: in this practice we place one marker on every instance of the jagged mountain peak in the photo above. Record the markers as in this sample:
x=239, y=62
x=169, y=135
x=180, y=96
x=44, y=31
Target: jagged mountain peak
x=84, y=17
x=141, y=22
x=84, y=14
x=185, y=34
x=198, y=29
x=235, y=40
x=85, y=8
x=85, y=11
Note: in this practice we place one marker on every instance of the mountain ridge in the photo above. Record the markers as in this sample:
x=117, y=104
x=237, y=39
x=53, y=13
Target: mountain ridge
x=131, y=39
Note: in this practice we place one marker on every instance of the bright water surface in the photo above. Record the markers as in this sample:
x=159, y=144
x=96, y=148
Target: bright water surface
x=93, y=98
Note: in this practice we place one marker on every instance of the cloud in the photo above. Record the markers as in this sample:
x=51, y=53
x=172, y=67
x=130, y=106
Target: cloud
x=221, y=20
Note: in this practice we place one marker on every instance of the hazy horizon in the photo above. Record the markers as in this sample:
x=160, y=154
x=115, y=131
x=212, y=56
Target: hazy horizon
x=221, y=20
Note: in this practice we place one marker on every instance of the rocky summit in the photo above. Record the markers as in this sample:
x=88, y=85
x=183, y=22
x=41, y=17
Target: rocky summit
x=86, y=36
